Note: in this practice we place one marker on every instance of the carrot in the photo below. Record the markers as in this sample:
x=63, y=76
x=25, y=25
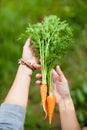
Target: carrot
x=43, y=93
x=50, y=107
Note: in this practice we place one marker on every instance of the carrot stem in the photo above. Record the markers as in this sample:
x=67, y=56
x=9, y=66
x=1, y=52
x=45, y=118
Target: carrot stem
x=50, y=83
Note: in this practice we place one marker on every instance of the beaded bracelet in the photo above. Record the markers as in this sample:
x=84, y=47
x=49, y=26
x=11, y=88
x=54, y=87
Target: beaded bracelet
x=27, y=63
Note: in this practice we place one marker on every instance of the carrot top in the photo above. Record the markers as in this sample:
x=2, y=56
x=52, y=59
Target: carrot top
x=51, y=39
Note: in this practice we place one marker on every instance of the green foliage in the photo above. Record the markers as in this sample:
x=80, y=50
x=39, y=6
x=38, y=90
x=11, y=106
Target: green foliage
x=79, y=96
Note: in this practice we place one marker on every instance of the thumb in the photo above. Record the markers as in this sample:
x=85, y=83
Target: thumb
x=27, y=43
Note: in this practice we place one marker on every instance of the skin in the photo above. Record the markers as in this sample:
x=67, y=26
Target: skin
x=19, y=91
x=63, y=99
x=18, y=94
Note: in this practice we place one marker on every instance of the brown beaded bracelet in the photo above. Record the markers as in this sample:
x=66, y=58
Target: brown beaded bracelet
x=27, y=63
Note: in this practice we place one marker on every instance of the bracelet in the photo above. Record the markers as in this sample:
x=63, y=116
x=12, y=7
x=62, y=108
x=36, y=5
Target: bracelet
x=27, y=63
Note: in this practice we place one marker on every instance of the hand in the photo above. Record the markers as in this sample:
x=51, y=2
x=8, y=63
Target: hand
x=28, y=54
x=61, y=89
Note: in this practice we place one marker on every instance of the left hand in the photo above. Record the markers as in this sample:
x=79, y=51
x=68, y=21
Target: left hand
x=29, y=55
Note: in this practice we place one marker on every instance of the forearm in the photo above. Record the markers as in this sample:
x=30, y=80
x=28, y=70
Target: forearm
x=18, y=93
x=67, y=115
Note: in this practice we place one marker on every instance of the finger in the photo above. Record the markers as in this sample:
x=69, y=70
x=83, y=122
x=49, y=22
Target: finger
x=38, y=82
x=27, y=43
x=38, y=76
x=60, y=73
x=55, y=76
x=37, y=66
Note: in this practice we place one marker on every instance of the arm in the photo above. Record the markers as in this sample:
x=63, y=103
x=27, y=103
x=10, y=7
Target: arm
x=13, y=110
x=18, y=93
x=65, y=104
x=67, y=115
x=66, y=108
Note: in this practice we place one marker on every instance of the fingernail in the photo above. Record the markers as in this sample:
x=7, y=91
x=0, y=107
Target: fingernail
x=58, y=67
x=30, y=38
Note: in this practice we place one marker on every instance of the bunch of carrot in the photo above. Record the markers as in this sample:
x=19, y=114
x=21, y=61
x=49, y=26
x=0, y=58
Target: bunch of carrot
x=51, y=39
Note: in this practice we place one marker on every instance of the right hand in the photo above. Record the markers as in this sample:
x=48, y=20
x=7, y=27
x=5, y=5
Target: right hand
x=61, y=89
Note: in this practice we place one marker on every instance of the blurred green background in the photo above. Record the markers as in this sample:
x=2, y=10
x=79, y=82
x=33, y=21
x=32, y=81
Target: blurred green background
x=14, y=18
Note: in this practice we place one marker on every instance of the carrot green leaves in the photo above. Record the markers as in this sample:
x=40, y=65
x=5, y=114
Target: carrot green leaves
x=51, y=39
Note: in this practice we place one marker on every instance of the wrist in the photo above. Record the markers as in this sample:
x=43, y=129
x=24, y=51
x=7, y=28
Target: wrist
x=27, y=63
x=26, y=70
x=66, y=103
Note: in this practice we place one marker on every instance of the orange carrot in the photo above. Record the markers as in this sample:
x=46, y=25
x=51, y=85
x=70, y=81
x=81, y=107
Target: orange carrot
x=43, y=93
x=50, y=107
